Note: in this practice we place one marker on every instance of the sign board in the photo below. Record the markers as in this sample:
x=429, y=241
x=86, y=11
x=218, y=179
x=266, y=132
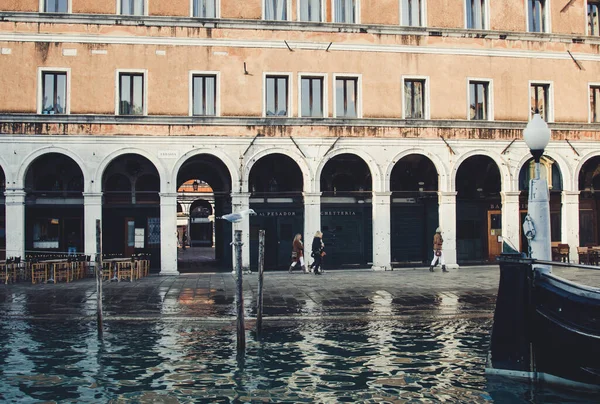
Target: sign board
x=139, y=238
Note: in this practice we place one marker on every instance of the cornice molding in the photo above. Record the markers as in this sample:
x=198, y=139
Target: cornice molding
x=168, y=120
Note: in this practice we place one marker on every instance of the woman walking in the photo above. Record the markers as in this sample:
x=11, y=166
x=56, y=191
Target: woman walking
x=438, y=254
x=297, y=253
x=317, y=252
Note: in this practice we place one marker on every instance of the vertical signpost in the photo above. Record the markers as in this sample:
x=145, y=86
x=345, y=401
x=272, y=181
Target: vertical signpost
x=99, y=277
x=239, y=294
x=261, y=265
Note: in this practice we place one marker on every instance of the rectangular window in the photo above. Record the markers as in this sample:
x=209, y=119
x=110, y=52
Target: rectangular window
x=131, y=94
x=592, y=17
x=344, y=11
x=476, y=16
x=594, y=103
x=346, y=97
x=54, y=93
x=537, y=15
x=204, y=8
x=414, y=99
x=312, y=96
x=540, y=100
x=204, y=95
x=56, y=6
x=276, y=96
x=310, y=10
x=411, y=13
x=132, y=7
x=276, y=10
x=479, y=100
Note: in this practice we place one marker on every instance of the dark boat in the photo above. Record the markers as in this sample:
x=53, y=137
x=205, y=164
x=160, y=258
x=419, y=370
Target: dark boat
x=545, y=328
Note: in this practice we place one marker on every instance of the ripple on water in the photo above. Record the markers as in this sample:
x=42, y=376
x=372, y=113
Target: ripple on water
x=318, y=361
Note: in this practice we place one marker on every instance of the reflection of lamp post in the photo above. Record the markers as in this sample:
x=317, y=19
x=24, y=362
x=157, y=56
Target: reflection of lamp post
x=537, y=222
x=195, y=185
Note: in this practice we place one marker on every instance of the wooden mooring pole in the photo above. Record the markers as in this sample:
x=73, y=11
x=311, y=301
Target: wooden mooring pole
x=99, y=278
x=239, y=293
x=261, y=268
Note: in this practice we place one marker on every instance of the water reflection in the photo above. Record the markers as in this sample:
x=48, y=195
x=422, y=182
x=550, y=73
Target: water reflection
x=319, y=361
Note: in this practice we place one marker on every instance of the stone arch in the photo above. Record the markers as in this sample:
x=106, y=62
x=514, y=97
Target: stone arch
x=7, y=174
x=297, y=157
x=505, y=174
x=371, y=163
x=224, y=158
x=439, y=165
x=577, y=171
x=26, y=164
x=564, y=168
x=97, y=186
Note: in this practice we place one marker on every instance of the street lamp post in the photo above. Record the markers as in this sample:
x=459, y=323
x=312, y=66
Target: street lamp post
x=537, y=222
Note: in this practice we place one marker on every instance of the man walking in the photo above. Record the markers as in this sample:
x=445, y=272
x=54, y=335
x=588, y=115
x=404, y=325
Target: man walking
x=438, y=254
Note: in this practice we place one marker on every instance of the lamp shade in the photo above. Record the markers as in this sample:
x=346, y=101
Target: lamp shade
x=537, y=133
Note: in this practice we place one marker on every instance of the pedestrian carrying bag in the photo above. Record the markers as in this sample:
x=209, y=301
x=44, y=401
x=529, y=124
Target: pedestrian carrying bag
x=438, y=253
x=294, y=254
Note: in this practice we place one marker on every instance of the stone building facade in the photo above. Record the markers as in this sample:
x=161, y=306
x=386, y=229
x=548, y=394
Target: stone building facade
x=374, y=121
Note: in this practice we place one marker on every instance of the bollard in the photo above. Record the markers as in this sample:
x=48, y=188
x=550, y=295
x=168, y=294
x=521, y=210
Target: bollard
x=261, y=267
x=99, y=278
x=239, y=294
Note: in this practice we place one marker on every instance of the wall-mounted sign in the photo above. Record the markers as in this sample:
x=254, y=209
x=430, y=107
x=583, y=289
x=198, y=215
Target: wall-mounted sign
x=276, y=214
x=338, y=213
x=168, y=154
x=139, y=238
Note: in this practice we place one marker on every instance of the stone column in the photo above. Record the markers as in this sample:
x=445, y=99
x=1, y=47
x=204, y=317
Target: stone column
x=312, y=220
x=15, y=222
x=511, y=219
x=382, y=247
x=168, y=234
x=447, y=221
x=570, y=222
x=241, y=201
x=92, y=211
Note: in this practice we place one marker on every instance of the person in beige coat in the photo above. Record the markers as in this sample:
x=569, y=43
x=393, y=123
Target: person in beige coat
x=438, y=253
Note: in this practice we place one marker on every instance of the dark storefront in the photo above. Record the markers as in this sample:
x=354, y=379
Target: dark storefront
x=478, y=227
x=281, y=224
x=3, y=254
x=414, y=210
x=589, y=203
x=131, y=208
x=54, y=206
x=347, y=212
x=276, y=185
x=347, y=234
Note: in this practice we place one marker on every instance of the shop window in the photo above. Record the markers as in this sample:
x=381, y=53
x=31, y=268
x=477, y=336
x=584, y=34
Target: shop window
x=46, y=233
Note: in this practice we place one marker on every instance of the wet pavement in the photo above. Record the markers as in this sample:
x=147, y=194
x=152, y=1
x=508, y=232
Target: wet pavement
x=348, y=294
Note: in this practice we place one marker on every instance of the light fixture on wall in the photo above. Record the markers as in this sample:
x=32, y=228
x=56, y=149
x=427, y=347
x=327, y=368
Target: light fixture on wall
x=195, y=185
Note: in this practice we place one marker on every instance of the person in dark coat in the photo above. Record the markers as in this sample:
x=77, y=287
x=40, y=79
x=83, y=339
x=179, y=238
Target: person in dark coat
x=438, y=254
x=297, y=254
x=317, y=252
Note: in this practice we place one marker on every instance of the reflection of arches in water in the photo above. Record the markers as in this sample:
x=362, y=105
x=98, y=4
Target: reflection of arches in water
x=381, y=336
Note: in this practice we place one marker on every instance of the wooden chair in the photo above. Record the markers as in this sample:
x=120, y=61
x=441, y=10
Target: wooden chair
x=107, y=270
x=584, y=255
x=63, y=271
x=9, y=270
x=125, y=269
x=39, y=272
x=563, y=252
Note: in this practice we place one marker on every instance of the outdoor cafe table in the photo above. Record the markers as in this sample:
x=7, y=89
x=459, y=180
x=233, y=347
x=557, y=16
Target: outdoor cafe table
x=114, y=267
x=50, y=267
